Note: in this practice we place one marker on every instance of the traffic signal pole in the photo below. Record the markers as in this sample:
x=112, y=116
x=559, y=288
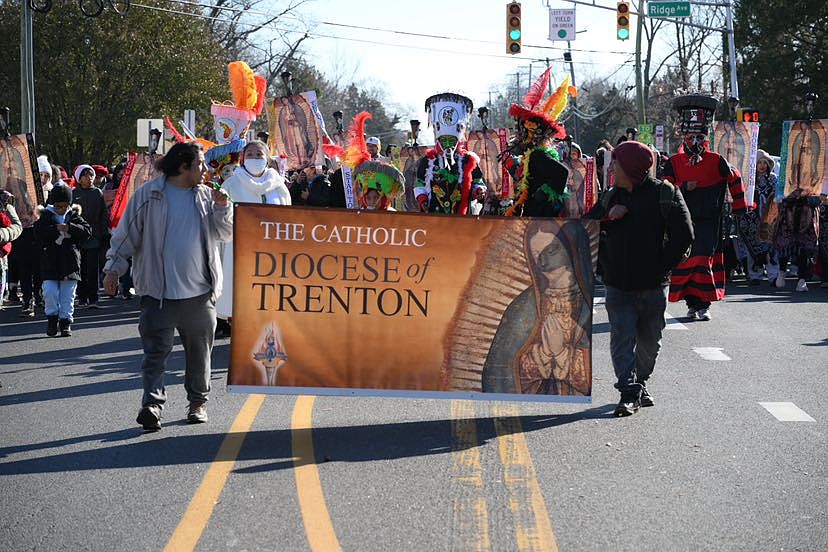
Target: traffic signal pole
x=27, y=100
x=639, y=84
x=734, y=82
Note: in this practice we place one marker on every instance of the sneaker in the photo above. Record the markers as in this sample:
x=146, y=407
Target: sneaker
x=28, y=310
x=627, y=407
x=197, y=412
x=150, y=417
x=703, y=314
x=646, y=398
x=780, y=281
x=801, y=285
x=65, y=327
x=52, y=326
x=92, y=305
x=691, y=313
x=793, y=271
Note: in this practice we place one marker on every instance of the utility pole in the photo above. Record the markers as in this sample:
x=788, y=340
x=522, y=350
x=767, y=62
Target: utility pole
x=639, y=84
x=734, y=82
x=568, y=54
x=27, y=100
x=517, y=87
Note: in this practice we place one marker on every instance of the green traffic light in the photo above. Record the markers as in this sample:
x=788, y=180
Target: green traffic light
x=514, y=34
x=623, y=34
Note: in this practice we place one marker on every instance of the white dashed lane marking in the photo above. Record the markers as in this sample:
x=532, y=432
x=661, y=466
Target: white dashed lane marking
x=786, y=412
x=711, y=353
x=673, y=323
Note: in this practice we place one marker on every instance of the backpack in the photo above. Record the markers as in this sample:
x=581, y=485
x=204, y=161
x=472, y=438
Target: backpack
x=666, y=199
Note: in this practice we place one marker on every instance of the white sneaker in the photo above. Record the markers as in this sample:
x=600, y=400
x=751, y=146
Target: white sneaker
x=780, y=281
x=691, y=314
x=703, y=314
x=801, y=285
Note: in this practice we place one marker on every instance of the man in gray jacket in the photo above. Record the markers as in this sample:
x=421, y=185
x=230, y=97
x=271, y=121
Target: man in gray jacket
x=171, y=228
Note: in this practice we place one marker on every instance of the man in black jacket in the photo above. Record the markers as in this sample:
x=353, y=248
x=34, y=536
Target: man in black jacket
x=646, y=231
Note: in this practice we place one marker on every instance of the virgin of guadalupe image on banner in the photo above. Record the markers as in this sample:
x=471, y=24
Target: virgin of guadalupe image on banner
x=409, y=159
x=803, y=159
x=738, y=143
x=295, y=130
x=140, y=169
x=486, y=144
x=581, y=185
x=19, y=175
x=501, y=310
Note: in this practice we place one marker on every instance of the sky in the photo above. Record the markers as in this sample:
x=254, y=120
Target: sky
x=471, y=60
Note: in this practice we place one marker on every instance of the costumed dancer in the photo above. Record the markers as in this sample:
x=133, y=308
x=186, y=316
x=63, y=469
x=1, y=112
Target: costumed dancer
x=449, y=176
x=531, y=159
x=704, y=178
x=375, y=183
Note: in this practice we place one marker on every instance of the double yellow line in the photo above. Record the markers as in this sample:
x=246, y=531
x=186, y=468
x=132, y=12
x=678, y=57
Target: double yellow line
x=470, y=526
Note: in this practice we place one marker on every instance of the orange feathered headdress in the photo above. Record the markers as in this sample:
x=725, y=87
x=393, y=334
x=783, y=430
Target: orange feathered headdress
x=248, y=89
x=549, y=110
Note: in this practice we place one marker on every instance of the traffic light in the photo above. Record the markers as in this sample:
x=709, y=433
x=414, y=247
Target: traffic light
x=622, y=17
x=513, y=33
x=749, y=115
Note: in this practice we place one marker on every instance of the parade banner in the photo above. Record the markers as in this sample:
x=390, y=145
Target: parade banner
x=296, y=129
x=20, y=176
x=336, y=302
x=505, y=178
x=139, y=170
x=409, y=158
x=581, y=185
x=486, y=144
x=804, y=157
x=738, y=143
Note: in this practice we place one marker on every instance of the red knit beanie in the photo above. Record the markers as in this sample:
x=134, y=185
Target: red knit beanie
x=635, y=159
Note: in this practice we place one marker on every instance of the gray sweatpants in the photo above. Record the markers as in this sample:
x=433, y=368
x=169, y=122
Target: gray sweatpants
x=195, y=320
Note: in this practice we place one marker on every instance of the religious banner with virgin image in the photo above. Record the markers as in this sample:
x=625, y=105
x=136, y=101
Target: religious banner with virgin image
x=20, y=177
x=296, y=130
x=803, y=159
x=334, y=302
x=738, y=143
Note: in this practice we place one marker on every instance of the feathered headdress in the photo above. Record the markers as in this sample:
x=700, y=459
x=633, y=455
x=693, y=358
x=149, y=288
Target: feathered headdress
x=248, y=89
x=356, y=151
x=548, y=111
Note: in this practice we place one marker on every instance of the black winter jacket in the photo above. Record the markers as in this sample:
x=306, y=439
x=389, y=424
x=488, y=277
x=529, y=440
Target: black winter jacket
x=639, y=251
x=61, y=261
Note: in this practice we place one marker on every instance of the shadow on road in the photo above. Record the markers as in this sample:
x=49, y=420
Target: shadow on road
x=364, y=443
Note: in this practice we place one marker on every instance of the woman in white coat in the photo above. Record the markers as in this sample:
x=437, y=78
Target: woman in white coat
x=251, y=182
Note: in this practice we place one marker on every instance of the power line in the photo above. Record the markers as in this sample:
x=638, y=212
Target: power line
x=321, y=35
x=393, y=31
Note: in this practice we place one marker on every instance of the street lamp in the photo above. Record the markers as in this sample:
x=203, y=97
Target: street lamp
x=415, y=130
x=337, y=115
x=287, y=80
x=732, y=104
x=483, y=113
x=810, y=102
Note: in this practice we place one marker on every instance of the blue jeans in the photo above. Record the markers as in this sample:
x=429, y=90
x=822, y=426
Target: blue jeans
x=60, y=298
x=636, y=321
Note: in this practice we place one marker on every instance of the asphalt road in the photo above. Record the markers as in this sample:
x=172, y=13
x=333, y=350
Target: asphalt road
x=707, y=468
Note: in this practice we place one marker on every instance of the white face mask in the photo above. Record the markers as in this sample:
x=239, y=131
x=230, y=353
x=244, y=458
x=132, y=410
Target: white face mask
x=255, y=166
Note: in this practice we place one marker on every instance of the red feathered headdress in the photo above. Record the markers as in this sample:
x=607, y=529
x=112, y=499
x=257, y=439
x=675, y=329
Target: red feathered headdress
x=356, y=151
x=548, y=111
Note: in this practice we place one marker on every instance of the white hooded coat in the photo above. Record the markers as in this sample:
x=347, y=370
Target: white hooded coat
x=269, y=188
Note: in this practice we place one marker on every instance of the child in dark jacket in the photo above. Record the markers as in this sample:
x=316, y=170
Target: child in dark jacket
x=59, y=232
